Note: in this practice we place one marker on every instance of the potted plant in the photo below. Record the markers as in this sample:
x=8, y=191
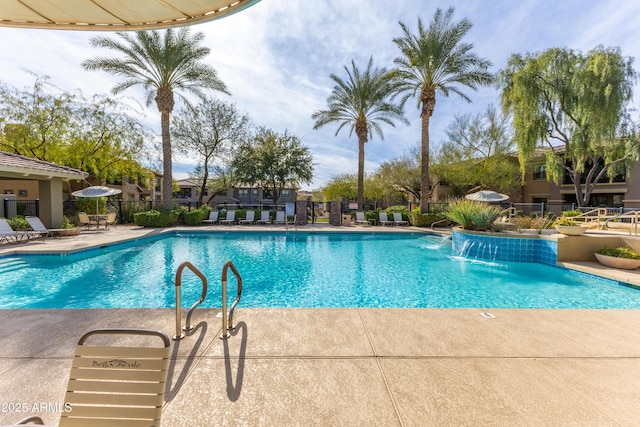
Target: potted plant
x=570, y=227
x=621, y=257
x=67, y=228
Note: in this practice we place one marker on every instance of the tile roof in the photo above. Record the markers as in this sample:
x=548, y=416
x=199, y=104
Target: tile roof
x=20, y=164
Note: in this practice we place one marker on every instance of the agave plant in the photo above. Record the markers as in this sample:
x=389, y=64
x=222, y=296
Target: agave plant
x=473, y=215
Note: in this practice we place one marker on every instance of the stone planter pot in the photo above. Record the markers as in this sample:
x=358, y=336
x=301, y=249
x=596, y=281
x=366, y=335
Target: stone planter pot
x=571, y=230
x=615, y=262
x=67, y=232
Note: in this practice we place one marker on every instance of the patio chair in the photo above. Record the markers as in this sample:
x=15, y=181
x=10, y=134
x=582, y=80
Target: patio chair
x=116, y=385
x=110, y=220
x=85, y=221
x=281, y=218
x=213, y=218
x=265, y=217
x=397, y=219
x=384, y=219
x=360, y=219
x=249, y=219
x=230, y=219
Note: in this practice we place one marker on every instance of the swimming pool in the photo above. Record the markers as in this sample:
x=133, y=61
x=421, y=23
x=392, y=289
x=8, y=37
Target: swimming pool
x=299, y=269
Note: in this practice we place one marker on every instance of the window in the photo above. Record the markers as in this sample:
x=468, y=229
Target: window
x=243, y=192
x=285, y=193
x=540, y=172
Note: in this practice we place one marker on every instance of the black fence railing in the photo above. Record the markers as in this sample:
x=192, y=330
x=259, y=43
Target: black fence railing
x=14, y=208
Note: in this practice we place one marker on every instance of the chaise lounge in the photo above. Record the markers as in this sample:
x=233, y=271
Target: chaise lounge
x=384, y=219
x=250, y=218
x=360, y=219
x=397, y=219
x=230, y=218
x=213, y=218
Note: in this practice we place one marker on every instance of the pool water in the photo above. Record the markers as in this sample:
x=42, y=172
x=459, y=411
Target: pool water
x=298, y=270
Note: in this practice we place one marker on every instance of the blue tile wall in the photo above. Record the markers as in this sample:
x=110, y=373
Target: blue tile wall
x=497, y=248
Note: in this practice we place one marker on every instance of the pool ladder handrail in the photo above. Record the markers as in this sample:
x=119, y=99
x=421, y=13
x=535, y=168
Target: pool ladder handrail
x=227, y=320
x=187, y=327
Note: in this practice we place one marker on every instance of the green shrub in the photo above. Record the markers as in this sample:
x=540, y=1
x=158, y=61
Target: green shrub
x=621, y=252
x=565, y=221
x=571, y=213
x=404, y=210
x=66, y=223
x=155, y=219
x=18, y=223
x=371, y=216
x=194, y=216
x=473, y=215
x=425, y=220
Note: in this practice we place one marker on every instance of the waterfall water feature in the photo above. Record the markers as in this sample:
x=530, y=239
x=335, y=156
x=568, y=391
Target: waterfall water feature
x=444, y=239
x=483, y=251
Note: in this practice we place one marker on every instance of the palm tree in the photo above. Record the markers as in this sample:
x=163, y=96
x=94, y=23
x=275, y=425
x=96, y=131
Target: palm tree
x=361, y=102
x=435, y=60
x=161, y=64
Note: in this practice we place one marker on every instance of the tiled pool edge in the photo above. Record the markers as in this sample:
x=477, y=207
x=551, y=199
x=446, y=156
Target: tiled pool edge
x=528, y=248
x=521, y=248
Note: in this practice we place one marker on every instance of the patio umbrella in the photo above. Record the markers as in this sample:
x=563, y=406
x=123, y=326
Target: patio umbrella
x=96, y=191
x=487, y=196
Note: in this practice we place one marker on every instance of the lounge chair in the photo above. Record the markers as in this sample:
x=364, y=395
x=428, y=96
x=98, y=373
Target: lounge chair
x=116, y=385
x=250, y=218
x=37, y=226
x=213, y=218
x=8, y=234
x=397, y=219
x=281, y=218
x=230, y=219
x=265, y=217
x=384, y=219
x=360, y=219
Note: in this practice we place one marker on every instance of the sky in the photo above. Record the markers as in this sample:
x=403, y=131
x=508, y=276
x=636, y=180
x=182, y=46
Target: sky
x=276, y=58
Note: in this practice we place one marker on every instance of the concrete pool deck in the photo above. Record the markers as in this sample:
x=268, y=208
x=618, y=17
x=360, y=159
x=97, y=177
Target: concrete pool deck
x=388, y=367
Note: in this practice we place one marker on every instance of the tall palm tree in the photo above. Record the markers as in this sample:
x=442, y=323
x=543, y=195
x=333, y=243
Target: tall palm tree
x=361, y=102
x=162, y=63
x=435, y=60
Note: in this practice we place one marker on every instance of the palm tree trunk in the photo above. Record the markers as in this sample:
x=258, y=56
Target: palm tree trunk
x=361, y=132
x=428, y=104
x=360, y=196
x=167, y=175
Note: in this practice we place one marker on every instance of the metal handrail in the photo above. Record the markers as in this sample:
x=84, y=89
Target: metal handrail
x=179, y=335
x=633, y=216
x=227, y=322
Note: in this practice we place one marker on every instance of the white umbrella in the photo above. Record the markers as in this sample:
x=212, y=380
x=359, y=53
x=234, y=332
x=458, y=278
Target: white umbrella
x=487, y=196
x=96, y=191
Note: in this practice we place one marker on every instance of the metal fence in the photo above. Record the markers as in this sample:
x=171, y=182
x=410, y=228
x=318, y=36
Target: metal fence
x=14, y=208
